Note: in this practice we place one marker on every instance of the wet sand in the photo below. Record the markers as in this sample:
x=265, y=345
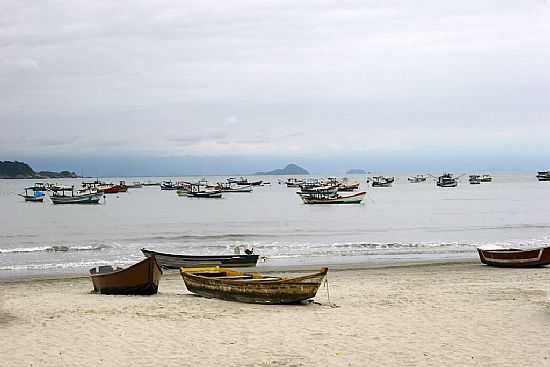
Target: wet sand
x=461, y=314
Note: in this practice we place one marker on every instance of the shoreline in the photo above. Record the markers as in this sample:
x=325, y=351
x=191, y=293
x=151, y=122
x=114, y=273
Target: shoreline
x=16, y=278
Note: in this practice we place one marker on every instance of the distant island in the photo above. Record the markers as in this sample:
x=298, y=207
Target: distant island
x=356, y=171
x=291, y=169
x=23, y=170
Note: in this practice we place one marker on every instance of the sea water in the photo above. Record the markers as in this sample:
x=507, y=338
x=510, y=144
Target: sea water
x=405, y=222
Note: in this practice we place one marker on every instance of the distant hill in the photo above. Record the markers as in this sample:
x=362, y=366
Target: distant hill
x=23, y=170
x=291, y=169
x=356, y=171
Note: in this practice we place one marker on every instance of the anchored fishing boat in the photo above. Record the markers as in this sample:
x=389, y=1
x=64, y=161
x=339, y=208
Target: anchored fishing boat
x=325, y=198
x=90, y=197
x=168, y=185
x=514, y=258
x=227, y=187
x=543, y=176
x=474, y=179
x=486, y=178
x=142, y=278
x=447, y=180
x=35, y=196
x=216, y=282
x=381, y=181
x=175, y=261
x=417, y=179
x=328, y=189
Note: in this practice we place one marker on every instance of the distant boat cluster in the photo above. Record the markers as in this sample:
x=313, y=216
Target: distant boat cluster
x=312, y=190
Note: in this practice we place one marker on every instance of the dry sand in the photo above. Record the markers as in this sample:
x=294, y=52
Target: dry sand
x=436, y=315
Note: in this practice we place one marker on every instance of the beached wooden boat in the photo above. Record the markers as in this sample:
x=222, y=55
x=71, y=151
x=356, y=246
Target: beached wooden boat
x=141, y=278
x=323, y=198
x=174, y=261
x=514, y=258
x=232, y=285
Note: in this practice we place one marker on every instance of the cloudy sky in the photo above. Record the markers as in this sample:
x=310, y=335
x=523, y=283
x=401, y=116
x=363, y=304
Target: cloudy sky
x=372, y=81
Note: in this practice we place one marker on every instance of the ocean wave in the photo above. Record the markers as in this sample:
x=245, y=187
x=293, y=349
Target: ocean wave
x=225, y=236
x=55, y=248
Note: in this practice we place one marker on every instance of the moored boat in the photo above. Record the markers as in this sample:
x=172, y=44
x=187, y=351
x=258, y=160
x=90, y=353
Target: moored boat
x=513, y=257
x=447, y=180
x=168, y=185
x=417, y=179
x=324, y=198
x=474, y=179
x=35, y=196
x=543, y=175
x=141, y=278
x=91, y=197
x=381, y=181
x=216, y=282
x=175, y=261
x=486, y=178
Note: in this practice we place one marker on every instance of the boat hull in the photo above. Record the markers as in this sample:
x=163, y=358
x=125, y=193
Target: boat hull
x=352, y=199
x=269, y=291
x=173, y=261
x=81, y=199
x=140, y=279
x=515, y=258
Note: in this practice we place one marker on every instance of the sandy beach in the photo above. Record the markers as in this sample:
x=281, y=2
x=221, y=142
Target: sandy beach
x=461, y=314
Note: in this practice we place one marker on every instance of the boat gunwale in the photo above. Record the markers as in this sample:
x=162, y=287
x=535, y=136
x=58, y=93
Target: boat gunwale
x=97, y=275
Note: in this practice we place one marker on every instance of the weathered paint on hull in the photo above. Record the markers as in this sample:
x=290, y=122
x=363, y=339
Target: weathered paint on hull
x=172, y=261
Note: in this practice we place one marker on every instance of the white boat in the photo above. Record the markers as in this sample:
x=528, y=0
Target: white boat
x=417, y=179
x=321, y=198
x=86, y=198
x=447, y=180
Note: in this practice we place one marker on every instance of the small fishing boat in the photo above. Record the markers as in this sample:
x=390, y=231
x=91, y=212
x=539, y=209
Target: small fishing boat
x=168, y=185
x=141, y=278
x=330, y=190
x=474, y=179
x=211, y=194
x=543, y=176
x=447, y=180
x=381, y=181
x=294, y=182
x=226, y=284
x=486, y=178
x=39, y=187
x=324, y=198
x=514, y=258
x=417, y=179
x=35, y=196
x=346, y=185
x=111, y=189
x=174, y=261
x=151, y=184
x=227, y=187
x=90, y=197
x=58, y=187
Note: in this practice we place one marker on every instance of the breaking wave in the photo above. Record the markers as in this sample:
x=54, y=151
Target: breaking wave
x=56, y=248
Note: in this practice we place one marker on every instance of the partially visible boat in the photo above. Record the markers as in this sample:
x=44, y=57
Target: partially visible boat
x=324, y=198
x=142, y=278
x=381, y=181
x=226, y=284
x=328, y=189
x=227, y=187
x=168, y=185
x=90, y=197
x=486, y=178
x=474, y=179
x=513, y=257
x=543, y=176
x=294, y=182
x=35, y=196
x=417, y=179
x=175, y=261
x=447, y=180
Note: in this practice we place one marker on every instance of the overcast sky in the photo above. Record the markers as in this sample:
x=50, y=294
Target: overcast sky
x=288, y=79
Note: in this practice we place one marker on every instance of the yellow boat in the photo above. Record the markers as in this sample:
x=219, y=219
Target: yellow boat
x=227, y=284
